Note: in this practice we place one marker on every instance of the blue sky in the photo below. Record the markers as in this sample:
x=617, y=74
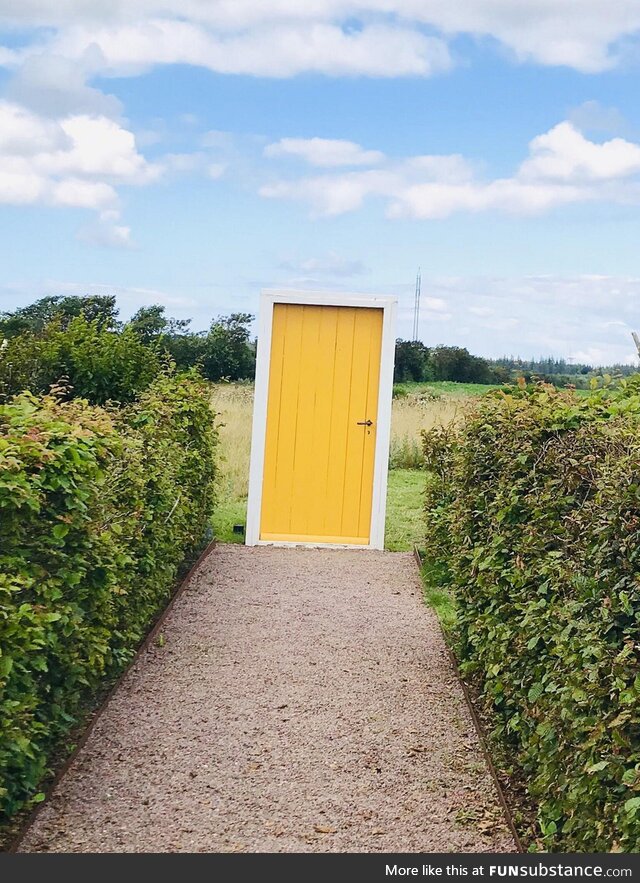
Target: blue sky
x=192, y=153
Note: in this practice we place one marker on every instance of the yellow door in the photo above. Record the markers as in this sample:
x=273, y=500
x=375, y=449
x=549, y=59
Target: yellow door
x=319, y=450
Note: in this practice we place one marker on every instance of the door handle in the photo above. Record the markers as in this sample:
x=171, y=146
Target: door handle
x=365, y=423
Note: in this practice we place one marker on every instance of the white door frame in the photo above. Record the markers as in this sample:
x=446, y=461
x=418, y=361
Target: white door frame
x=268, y=298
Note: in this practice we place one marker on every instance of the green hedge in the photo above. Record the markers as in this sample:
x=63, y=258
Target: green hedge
x=533, y=517
x=97, y=363
x=98, y=512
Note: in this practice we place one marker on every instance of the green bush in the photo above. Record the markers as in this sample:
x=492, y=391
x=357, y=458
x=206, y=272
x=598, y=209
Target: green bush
x=99, y=510
x=406, y=453
x=533, y=519
x=98, y=364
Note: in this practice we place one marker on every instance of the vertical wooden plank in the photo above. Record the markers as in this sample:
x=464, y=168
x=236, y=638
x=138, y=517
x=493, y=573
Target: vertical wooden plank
x=357, y=434
x=325, y=364
x=368, y=458
x=292, y=390
x=283, y=399
x=309, y=377
x=340, y=404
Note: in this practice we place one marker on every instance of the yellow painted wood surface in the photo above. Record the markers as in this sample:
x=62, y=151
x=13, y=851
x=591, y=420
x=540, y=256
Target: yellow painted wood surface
x=323, y=380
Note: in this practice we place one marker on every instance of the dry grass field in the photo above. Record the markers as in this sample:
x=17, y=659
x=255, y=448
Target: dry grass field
x=234, y=405
x=410, y=414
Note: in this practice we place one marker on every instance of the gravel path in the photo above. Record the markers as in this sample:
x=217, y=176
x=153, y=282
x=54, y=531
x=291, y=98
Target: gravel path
x=302, y=700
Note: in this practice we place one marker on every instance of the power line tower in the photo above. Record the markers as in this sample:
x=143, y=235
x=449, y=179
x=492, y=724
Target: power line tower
x=416, y=305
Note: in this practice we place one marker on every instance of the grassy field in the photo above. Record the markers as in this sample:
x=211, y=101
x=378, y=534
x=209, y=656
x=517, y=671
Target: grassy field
x=448, y=388
x=421, y=406
x=414, y=411
x=455, y=390
x=404, y=509
x=234, y=405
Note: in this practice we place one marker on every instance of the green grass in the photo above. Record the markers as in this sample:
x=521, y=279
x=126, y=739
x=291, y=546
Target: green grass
x=229, y=512
x=444, y=387
x=405, y=528
x=404, y=512
x=452, y=389
x=404, y=525
x=438, y=595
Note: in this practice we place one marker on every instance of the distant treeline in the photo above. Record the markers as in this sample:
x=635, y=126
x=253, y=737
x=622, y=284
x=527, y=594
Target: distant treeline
x=415, y=361
x=559, y=371
x=83, y=341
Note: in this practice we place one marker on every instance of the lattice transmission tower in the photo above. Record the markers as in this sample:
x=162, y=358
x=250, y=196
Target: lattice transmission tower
x=416, y=305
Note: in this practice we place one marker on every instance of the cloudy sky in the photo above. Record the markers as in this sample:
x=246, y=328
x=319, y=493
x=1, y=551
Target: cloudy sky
x=190, y=152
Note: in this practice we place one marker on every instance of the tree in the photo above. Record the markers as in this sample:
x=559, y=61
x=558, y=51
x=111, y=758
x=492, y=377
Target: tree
x=149, y=323
x=411, y=363
x=187, y=350
x=61, y=309
x=457, y=363
x=228, y=350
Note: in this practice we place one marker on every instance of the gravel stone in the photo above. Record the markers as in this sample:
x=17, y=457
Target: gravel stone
x=302, y=701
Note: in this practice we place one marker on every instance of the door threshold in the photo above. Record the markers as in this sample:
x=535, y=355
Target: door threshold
x=303, y=544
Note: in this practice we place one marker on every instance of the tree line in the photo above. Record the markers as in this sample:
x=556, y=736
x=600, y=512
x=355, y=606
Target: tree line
x=101, y=357
x=417, y=362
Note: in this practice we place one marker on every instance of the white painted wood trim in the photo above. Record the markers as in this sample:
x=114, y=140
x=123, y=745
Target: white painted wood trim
x=383, y=429
x=281, y=544
x=268, y=298
x=259, y=424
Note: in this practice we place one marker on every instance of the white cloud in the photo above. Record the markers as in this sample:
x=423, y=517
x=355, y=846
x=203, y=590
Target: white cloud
x=216, y=170
x=81, y=193
x=331, y=264
x=335, y=194
x=285, y=37
x=81, y=160
x=23, y=133
x=56, y=86
x=273, y=50
x=510, y=195
x=452, y=169
x=585, y=318
x=107, y=232
x=129, y=298
x=326, y=152
x=564, y=154
x=434, y=304
x=74, y=161
x=99, y=146
x=599, y=355
x=20, y=186
x=563, y=167
x=185, y=163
